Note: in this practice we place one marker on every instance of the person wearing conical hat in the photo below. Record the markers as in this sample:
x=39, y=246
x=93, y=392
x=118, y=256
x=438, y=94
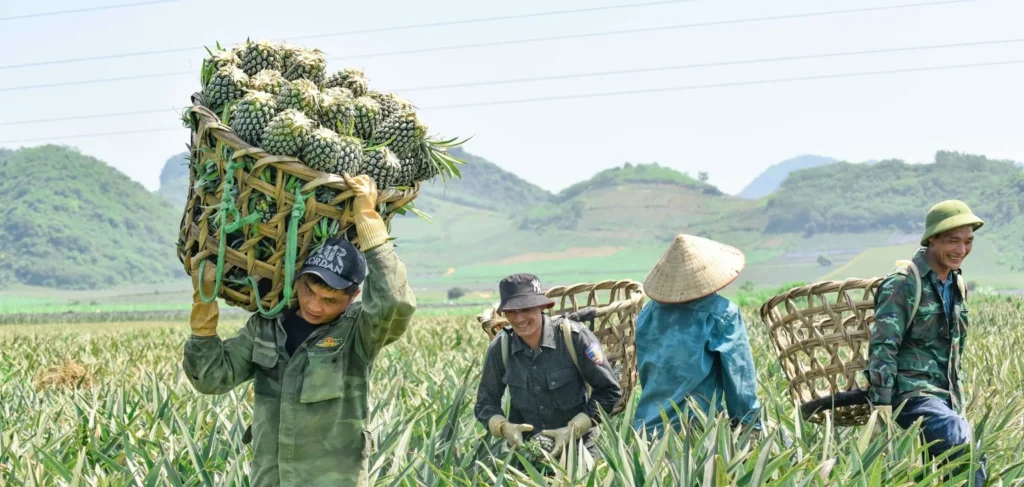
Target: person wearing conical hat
x=914, y=356
x=692, y=349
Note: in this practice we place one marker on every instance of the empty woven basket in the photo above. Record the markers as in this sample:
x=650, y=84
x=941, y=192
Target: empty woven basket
x=821, y=332
x=609, y=309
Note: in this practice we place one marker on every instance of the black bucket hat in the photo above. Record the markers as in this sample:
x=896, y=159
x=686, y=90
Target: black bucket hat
x=521, y=291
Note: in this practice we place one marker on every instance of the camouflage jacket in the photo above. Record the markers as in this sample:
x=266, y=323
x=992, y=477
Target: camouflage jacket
x=924, y=360
x=310, y=413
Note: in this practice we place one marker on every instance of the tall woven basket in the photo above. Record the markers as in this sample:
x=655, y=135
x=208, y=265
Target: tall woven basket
x=259, y=247
x=613, y=308
x=821, y=332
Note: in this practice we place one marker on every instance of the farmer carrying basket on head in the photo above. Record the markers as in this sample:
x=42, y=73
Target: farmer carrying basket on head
x=547, y=364
x=920, y=331
x=311, y=364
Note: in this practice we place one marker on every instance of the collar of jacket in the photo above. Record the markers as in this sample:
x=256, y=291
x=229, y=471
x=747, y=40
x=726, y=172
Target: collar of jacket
x=547, y=337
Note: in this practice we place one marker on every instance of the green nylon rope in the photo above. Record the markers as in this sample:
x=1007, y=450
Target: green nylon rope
x=227, y=207
x=291, y=248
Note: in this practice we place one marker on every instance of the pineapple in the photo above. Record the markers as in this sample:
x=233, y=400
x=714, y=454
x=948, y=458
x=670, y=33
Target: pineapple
x=353, y=79
x=337, y=111
x=333, y=153
x=403, y=132
x=225, y=57
x=287, y=133
x=426, y=169
x=367, y=117
x=391, y=103
x=381, y=165
x=252, y=115
x=259, y=202
x=268, y=81
x=302, y=95
x=225, y=86
x=306, y=64
x=259, y=55
x=406, y=174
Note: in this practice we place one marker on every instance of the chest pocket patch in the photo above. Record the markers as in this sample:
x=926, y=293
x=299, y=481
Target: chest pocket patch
x=264, y=353
x=564, y=383
x=324, y=377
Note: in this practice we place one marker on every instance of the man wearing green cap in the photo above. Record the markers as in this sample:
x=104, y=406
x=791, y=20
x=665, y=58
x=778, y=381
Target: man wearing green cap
x=920, y=332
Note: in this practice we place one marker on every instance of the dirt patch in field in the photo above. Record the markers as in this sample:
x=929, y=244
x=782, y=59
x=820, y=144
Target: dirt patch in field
x=572, y=253
x=68, y=375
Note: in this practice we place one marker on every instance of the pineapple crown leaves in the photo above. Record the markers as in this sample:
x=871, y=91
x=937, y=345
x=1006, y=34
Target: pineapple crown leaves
x=447, y=165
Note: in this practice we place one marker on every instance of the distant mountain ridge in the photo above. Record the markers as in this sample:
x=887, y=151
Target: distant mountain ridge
x=769, y=180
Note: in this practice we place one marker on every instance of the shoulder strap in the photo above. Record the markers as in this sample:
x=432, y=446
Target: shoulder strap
x=917, y=288
x=960, y=284
x=504, y=348
x=567, y=336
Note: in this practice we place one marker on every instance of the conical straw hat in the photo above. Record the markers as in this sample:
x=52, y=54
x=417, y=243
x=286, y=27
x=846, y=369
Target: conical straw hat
x=692, y=267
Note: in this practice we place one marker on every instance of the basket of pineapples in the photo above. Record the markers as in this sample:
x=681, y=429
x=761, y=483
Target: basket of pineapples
x=271, y=134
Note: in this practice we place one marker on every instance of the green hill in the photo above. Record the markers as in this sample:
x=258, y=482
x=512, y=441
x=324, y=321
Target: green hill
x=768, y=181
x=174, y=179
x=483, y=185
x=71, y=221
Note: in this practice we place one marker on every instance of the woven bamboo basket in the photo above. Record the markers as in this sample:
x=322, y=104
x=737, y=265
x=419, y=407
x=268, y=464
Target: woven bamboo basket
x=821, y=332
x=612, y=319
x=259, y=253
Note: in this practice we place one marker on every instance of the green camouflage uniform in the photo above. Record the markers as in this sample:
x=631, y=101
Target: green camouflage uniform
x=924, y=361
x=310, y=414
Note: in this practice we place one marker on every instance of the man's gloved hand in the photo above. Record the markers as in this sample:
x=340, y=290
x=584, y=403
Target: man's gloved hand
x=512, y=433
x=204, y=315
x=578, y=426
x=369, y=225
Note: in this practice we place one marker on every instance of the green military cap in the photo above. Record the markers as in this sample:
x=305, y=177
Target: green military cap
x=948, y=215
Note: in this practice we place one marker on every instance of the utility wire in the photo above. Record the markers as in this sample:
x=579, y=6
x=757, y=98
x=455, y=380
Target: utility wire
x=89, y=9
x=719, y=85
x=642, y=30
x=357, y=32
x=554, y=77
x=605, y=94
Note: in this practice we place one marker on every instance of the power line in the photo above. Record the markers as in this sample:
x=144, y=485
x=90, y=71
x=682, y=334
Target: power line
x=558, y=77
x=89, y=9
x=642, y=30
x=608, y=94
x=182, y=73
x=719, y=85
x=703, y=65
x=356, y=32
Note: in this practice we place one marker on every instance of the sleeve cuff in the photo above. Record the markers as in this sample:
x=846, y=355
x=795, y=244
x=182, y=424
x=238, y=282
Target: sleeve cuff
x=203, y=319
x=880, y=396
x=371, y=229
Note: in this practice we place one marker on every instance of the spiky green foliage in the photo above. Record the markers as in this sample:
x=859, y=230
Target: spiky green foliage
x=337, y=110
x=307, y=64
x=391, y=103
x=403, y=132
x=140, y=414
x=268, y=81
x=252, y=114
x=302, y=95
x=287, y=133
x=224, y=57
x=259, y=55
x=225, y=86
x=329, y=152
x=382, y=165
x=368, y=117
x=352, y=79
x=259, y=202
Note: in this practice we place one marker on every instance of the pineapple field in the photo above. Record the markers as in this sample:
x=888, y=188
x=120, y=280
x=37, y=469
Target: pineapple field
x=107, y=404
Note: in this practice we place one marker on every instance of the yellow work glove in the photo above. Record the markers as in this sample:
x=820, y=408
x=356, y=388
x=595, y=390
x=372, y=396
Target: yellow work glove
x=369, y=225
x=499, y=426
x=578, y=426
x=204, y=315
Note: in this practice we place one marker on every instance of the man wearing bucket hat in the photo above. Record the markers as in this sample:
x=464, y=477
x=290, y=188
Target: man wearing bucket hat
x=920, y=331
x=545, y=374
x=691, y=343
x=310, y=365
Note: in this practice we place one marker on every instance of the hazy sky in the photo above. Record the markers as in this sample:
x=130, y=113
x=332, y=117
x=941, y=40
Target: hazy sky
x=732, y=132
